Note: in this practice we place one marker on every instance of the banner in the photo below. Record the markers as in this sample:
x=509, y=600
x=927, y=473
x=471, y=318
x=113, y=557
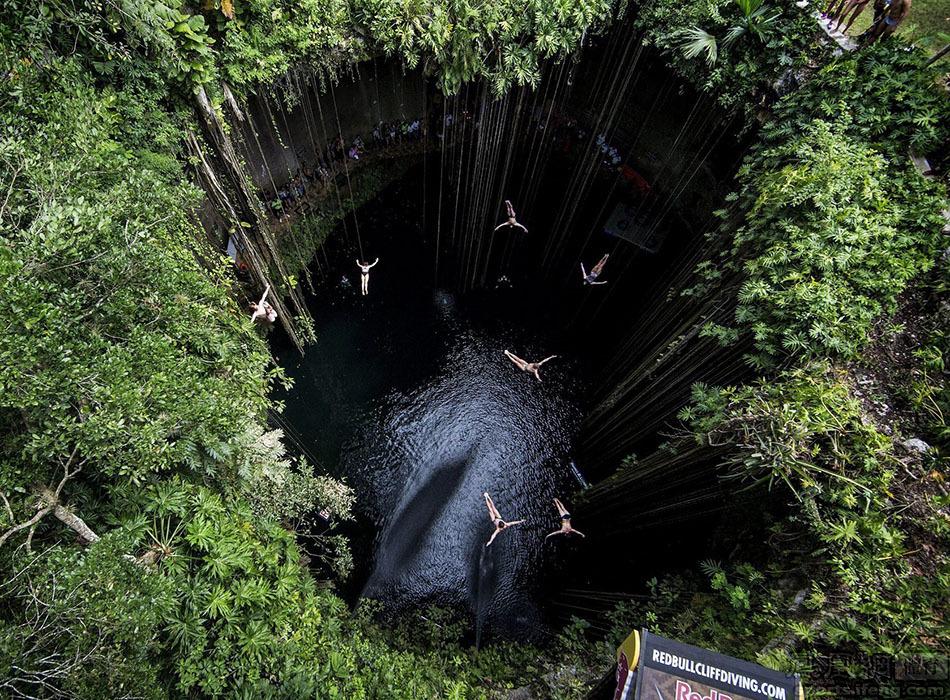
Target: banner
x=628, y=656
x=639, y=229
x=671, y=670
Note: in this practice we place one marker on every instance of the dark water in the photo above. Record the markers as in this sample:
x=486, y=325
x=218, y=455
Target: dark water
x=407, y=395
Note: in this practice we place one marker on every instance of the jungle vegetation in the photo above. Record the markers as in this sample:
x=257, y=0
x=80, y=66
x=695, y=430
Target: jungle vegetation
x=150, y=519
x=831, y=251
x=154, y=531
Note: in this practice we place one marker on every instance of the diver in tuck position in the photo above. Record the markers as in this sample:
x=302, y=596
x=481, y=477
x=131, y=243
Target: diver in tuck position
x=591, y=277
x=496, y=519
x=364, y=275
x=262, y=310
x=512, y=222
x=525, y=366
x=566, y=528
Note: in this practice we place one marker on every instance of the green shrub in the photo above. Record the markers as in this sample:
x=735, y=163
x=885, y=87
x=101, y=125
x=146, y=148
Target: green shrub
x=501, y=41
x=883, y=95
x=829, y=236
x=82, y=622
x=871, y=544
x=745, y=69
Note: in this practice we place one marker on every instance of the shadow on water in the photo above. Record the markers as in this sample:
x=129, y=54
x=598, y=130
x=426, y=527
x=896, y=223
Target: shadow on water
x=484, y=590
x=410, y=524
x=408, y=397
x=422, y=460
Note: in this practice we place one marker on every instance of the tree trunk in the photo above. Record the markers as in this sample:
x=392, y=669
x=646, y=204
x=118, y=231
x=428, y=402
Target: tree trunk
x=67, y=517
x=937, y=56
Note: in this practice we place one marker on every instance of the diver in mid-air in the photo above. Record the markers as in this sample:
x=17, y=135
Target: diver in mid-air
x=364, y=274
x=512, y=222
x=526, y=366
x=566, y=528
x=591, y=277
x=496, y=519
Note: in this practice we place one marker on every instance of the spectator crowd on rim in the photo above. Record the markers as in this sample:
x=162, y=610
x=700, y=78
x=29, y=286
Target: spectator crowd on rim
x=329, y=161
x=568, y=136
x=888, y=15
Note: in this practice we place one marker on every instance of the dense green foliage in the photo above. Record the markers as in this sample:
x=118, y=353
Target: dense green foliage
x=256, y=42
x=748, y=54
x=262, y=39
x=149, y=519
x=126, y=361
x=884, y=95
x=82, y=604
x=502, y=41
x=881, y=581
x=228, y=612
x=857, y=223
x=108, y=303
x=149, y=522
x=829, y=239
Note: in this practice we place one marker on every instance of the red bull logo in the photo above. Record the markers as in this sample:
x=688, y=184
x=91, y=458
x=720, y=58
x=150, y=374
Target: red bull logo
x=685, y=692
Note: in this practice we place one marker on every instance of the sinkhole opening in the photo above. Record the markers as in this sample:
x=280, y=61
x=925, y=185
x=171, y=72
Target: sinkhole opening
x=407, y=393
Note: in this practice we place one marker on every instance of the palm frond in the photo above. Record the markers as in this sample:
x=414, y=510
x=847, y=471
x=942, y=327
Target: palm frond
x=749, y=6
x=697, y=41
x=734, y=33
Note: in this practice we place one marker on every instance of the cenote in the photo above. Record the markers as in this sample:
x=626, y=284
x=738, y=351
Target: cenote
x=406, y=393
x=721, y=224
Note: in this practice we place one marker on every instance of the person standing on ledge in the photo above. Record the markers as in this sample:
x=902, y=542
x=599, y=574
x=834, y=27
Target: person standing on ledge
x=895, y=14
x=566, y=528
x=512, y=222
x=364, y=274
x=262, y=311
x=591, y=277
x=526, y=366
x=855, y=8
x=880, y=9
x=834, y=8
x=496, y=519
